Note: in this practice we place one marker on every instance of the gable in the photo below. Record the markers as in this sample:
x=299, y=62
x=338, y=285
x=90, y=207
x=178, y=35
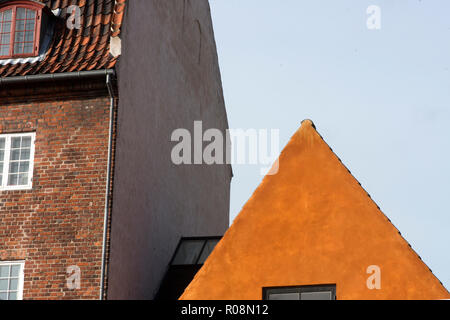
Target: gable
x=311, y=224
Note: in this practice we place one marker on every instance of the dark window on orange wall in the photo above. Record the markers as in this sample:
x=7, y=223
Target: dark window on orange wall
x=314, y=292
x=20, y=29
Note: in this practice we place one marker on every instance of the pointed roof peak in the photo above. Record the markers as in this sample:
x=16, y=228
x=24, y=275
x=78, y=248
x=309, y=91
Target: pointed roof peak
x=313, y=223
x=308, y=123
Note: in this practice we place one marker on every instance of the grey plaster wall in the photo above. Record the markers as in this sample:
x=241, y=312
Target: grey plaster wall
x=168, y=77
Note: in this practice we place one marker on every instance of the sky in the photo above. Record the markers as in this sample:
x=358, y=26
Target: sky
x=379, y=97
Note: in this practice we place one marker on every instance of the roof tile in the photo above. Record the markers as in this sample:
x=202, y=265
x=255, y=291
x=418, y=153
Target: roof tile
x=77, y=50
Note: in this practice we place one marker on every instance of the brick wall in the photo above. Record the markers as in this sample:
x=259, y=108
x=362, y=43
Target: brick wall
x=59, y=223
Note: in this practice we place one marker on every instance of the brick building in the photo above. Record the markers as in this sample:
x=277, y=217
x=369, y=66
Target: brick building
x=91, y=207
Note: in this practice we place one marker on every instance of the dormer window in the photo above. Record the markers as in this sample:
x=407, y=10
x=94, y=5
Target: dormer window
x=19, y=29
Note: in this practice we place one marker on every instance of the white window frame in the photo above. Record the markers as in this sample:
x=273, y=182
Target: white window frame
x=21, y=275
x=6, y=161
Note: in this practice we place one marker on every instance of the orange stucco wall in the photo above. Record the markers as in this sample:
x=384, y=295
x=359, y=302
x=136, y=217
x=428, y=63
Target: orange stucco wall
x=312, y=223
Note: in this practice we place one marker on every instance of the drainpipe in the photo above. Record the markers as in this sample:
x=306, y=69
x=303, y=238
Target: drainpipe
x=108, y=185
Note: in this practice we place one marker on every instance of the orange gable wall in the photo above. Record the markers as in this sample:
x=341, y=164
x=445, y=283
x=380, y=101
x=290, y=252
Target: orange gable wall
x=312, y=223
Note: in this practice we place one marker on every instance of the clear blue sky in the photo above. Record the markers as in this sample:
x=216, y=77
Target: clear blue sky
x=380, y=98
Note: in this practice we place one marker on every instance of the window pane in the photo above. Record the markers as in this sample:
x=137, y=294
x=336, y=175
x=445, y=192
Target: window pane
x=285, y=296
x=14, y=167
x=7, y=15
x=26, y=142
x=188, y=252
x=19, y=36
x=29, y=36
x=18, y=48
x=30, y=26
x=2, y=154
x=4, y=271
x=12, y=296
x=20, y=13
x=12, y=179
x=4, y=50
x=6, y=27
x=210, y=245
x=24, y=166
x=23, y=179
x=28, y=48
x=15, y=154
x=25, y=154
x=3, y=284
x=13, y=284
x=31, y=14
x=15, y=269
x=325, y=295
x=5, y=39
x=15, y=142
x=3, y=296
x=2, y=143
x=20, y=26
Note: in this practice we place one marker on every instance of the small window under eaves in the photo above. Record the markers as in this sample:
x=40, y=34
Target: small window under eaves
x=189, y=257
x=194, y=251
x=312, y=292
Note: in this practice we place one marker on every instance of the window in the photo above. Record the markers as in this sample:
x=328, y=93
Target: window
x=5, y=32
x=194, y=251
x=19, y=29
x=189, y=257
x=11, y=280
x=317, y=292
x=16, y=161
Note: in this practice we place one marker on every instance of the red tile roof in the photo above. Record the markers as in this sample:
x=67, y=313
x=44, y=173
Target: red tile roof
x=81, y=49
